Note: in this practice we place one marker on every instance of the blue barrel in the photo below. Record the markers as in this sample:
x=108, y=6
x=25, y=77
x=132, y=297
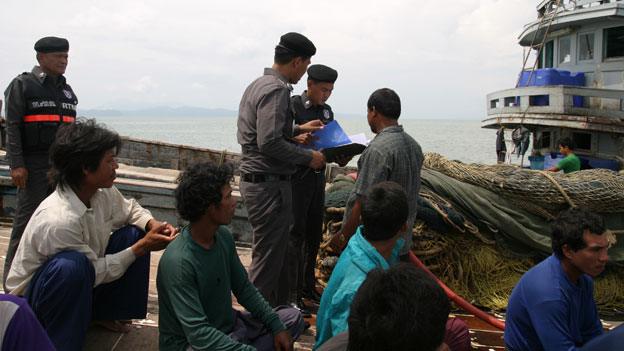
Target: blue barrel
x=552, y=76
x=537, y=162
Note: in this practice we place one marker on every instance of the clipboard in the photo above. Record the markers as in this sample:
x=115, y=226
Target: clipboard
x=334, y=143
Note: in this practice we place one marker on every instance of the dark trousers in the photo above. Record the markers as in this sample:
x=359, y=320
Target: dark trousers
x=305, y=236
x=269, y=209
x=37, y=189
x=251, y=331
x=62, y=296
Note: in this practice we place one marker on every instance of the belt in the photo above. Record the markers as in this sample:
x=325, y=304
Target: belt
x=261, y=178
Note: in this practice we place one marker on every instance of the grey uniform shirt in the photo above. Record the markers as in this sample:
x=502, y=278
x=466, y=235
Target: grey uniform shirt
x=265, y=126
x=395, y=156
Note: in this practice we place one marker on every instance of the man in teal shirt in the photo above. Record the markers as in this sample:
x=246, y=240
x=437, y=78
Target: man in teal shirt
x=376, y=244
x=571, y=162
x=201, y=269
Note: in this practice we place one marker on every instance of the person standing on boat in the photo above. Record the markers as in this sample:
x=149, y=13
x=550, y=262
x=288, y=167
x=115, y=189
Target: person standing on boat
x=552, y=307
x=392, y=155
x=37, y=103
x=199, y=272
x=571, y=162
x=501, y=146
x=268, y=159
x=309, y=189
x=85, y=253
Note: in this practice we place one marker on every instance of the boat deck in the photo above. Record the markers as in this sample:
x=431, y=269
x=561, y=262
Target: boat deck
x=144, y=335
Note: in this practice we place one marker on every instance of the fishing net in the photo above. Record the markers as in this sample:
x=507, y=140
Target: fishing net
x=470, y=250
x=599, y=190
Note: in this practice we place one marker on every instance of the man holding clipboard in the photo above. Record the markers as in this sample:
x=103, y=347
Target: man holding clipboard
x=308, y=189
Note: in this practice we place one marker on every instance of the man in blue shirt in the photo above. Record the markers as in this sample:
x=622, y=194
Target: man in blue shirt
x=552, y=307
x=376, y=244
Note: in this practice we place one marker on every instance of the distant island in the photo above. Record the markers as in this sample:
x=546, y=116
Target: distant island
x=184, y=111
x=163, y=111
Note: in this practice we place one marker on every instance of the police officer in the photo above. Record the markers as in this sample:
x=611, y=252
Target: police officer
x=265, y=133
x=37, y=103
x=308, y=189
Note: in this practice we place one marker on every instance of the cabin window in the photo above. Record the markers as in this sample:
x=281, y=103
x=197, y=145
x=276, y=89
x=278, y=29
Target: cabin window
x=511, y=101
x=565, y=47
x=546, y=56
x=582, y=141
x=614, y=42
x=586, y=46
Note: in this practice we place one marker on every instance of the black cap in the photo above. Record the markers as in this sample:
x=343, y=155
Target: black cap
x=295, y=43
x=52, y=44
x=322, y=73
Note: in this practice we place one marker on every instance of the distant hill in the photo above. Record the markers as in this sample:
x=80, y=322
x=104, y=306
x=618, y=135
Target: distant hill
x=164, y=111
x=185, y=111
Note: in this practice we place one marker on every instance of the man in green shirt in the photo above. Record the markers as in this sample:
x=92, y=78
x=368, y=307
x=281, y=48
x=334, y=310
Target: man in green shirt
x=201, y=269
x=571, y=162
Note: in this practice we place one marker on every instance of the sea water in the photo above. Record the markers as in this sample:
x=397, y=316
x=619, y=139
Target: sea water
x=462, y=140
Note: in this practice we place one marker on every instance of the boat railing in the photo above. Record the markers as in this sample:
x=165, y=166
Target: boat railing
x=562, y=99
x=151, y=153
x=547, y=7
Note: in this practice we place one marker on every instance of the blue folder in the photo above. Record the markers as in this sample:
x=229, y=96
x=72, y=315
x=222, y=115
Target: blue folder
x=331, y=135
x=335, y=143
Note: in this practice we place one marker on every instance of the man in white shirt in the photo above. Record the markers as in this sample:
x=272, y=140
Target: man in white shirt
x=84, y=254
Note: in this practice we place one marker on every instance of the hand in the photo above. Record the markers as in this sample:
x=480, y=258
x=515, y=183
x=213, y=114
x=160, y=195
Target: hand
x=304, y=138
x=310, y=126
x=19, y=176
x=444, y=347
x=168, y=229
x=318, y=160
x=342, y=160
x=283, y=341
x=156, y=239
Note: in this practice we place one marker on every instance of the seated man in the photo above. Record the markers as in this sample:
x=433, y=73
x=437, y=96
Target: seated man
x=376, y=244
x=200, y=270
x=552, y=307
x=571, y=162
x=19, y=327
x=67, y=248
x=399, y=309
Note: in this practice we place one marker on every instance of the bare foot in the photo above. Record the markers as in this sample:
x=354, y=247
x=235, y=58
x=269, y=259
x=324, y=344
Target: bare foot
x=123, y=326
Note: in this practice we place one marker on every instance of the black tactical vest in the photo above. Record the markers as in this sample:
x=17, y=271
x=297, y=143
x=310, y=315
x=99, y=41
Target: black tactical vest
x=47, y=107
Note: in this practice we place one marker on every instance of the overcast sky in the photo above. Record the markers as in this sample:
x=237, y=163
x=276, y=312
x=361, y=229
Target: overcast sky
x=442, y=56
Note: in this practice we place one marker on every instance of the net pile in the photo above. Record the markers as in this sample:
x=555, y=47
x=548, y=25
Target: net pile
x=599, y=190
x=473, y=260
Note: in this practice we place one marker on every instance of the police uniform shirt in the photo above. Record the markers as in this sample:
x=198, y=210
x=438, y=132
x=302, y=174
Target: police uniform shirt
x=304, y=111
x=265, y=127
